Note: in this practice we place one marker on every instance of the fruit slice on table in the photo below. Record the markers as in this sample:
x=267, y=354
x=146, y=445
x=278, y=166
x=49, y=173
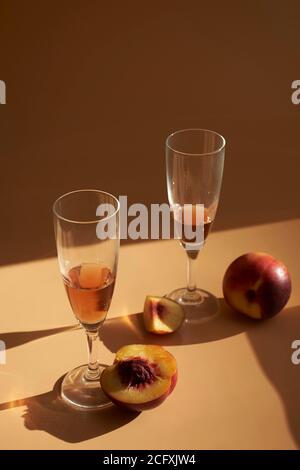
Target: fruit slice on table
x=141, y=377
x=162, y=315
x=257, y=285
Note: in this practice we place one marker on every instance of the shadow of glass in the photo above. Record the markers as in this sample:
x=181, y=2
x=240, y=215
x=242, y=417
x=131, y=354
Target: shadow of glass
x=47, y=412
x=271, y=342
x=17, y=338
x=129, y=329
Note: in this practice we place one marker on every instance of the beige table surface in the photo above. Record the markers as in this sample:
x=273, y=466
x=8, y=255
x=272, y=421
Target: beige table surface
x=237, y=386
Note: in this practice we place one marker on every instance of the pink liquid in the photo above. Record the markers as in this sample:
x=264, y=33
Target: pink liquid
x=90, y=288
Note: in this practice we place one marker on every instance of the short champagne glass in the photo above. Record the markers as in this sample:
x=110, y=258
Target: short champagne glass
x=194, y=167
x=88, y=263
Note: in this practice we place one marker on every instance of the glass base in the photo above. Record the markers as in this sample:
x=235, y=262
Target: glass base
x=82, y=393
x=199, y=305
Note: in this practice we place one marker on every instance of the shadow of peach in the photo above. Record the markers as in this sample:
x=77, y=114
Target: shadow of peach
x=271, y=342
x=129, y=329
x=47, y=412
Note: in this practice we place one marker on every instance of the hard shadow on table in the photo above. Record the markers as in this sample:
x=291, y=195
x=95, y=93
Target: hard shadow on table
x=17, y=338
x=271, y=342
x=128, y=329
x=46, y=412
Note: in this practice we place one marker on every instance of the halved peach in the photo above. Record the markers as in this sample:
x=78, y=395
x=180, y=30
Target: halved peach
x=141, y=377
x=162, y=315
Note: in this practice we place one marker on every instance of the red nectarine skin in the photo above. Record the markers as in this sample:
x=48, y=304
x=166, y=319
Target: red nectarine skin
x=173, y=382
x=262, y=279
x=150, y=404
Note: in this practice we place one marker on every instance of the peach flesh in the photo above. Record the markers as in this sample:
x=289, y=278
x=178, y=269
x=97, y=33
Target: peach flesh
x=162, y=315
x=160, y=309
x=141, y=377
x=150, y=404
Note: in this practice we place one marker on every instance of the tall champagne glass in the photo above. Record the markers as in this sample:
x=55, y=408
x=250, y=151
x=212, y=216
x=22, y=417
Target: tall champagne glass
x=194, y=167
x=88, y=265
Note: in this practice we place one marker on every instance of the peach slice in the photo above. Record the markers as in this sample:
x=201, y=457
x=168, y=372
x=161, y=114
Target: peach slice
x=141, y=377
x=162, y=315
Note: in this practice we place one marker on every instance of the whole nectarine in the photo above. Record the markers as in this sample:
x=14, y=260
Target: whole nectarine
x=257, y=285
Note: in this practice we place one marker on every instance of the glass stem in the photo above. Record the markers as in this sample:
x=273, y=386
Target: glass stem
x=191, y=292
x=93, y=370
x=191, y=273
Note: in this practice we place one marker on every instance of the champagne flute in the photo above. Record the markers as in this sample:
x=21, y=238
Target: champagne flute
x=88, y=265
x=194, y=167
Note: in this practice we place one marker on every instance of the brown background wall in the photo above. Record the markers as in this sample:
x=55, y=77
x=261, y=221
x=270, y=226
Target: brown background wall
x=94, y=87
